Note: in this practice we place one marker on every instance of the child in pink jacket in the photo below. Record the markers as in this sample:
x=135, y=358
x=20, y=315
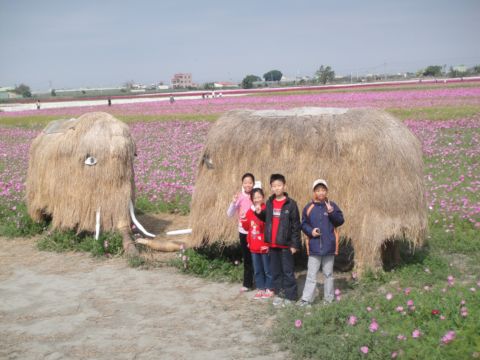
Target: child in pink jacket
x=239, y=206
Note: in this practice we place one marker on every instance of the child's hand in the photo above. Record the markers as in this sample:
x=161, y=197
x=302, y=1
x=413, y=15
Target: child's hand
x=329, y=206
x=316, y=232
x=293, y=250
x=235, y=197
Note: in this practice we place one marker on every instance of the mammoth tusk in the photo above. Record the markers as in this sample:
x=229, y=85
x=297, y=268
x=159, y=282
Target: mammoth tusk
x=136, y=222
x=179, y=232
x=97, y=224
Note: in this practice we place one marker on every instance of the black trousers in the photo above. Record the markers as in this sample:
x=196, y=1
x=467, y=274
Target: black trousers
x=247, y=262
x=283, y=275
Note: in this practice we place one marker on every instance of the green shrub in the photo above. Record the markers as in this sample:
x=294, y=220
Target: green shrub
x=15, y=221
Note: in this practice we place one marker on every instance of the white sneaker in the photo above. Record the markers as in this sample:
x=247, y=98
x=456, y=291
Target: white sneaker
x=277, y=301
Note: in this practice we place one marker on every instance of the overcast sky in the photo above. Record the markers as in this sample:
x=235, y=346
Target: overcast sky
x=105, y=43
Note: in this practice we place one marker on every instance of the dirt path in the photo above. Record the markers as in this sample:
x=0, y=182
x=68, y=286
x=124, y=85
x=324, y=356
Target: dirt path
x=72, y=306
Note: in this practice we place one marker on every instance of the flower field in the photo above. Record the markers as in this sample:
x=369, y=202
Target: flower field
x=427, y=309
x=168, y=151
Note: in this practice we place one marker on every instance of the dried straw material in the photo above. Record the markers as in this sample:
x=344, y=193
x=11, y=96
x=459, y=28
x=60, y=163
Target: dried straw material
x=371, y=161
x=62, y=186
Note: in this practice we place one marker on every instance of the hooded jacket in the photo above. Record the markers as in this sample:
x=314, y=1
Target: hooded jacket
x=315, y=215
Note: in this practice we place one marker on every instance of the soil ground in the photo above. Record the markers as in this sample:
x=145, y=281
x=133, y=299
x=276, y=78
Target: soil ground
x=73, y=306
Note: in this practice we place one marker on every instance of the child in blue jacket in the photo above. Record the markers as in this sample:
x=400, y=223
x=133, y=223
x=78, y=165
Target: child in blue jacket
x=320, y=218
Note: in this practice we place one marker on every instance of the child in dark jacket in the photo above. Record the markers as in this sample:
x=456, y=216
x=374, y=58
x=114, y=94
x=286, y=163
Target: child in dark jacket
x=258, y=248
x=320, y=218
x=282, y=233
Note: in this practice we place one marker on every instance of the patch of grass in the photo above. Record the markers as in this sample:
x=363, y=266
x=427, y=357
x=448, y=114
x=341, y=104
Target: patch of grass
x=33, y=121
x=436, y=112
x=179, y=205
x=369, y=89
x=40, y=121
x=15, y=221
x=136, y=261
x=213, y=262
x=62, y=241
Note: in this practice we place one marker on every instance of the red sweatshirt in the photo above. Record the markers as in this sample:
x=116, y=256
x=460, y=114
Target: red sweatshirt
x=255, y=227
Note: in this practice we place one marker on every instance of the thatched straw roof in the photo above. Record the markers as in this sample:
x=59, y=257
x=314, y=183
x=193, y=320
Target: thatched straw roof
x=62, y=185
x=371, y=161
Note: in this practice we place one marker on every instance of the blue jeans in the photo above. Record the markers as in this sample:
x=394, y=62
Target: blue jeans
x=283, y=274
x=261, y=269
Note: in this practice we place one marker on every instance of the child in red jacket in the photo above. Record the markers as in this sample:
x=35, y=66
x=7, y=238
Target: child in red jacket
x=257, y=246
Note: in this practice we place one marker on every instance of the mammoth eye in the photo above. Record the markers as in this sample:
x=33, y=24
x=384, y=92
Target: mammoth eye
x=208, y=161
x=90, y=160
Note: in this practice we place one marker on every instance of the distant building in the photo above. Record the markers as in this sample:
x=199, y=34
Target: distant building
x=8, y=93
x=182, y=80
x=460, y=68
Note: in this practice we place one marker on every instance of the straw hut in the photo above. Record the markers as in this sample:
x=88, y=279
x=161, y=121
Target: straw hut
x=80, y=175
x=372, y=162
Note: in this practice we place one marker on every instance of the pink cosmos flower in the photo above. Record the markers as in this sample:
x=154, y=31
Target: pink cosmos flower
x=410, y=302
x=337, y=292
x=399, y=308
x=338, y=297
x=472, y=289
x=364, y=349
x=464, y=313
x=401, y=337
x=389, y=296
x=373, y=326
x=369, y=308
x=448, y=337
x=463, y=302
x=407, y=291
x=394, y=355
x=298, y=323
x=352, y=320
x=426, y=288
x=354, y=275
x=416, y=333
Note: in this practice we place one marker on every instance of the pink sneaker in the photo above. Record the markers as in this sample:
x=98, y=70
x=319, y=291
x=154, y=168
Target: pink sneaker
x=259, y=295
x=267, y=294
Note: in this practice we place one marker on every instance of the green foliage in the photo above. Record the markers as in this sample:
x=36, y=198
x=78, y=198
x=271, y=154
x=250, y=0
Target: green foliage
x=40, y=121
x=247, y=82
x=61, y=241
x=23, y=90
x=179, y=205
x=209, y=86
x=273, y=75
x=212, y=262
x=433, y=70
x=15, y=221
x=436, y=113
x=425, y=276
x=325, y=74
x=136, y=261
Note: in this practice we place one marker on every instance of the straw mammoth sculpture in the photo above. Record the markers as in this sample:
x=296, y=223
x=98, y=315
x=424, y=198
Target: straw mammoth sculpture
x=371, y=161
x=81, y=175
